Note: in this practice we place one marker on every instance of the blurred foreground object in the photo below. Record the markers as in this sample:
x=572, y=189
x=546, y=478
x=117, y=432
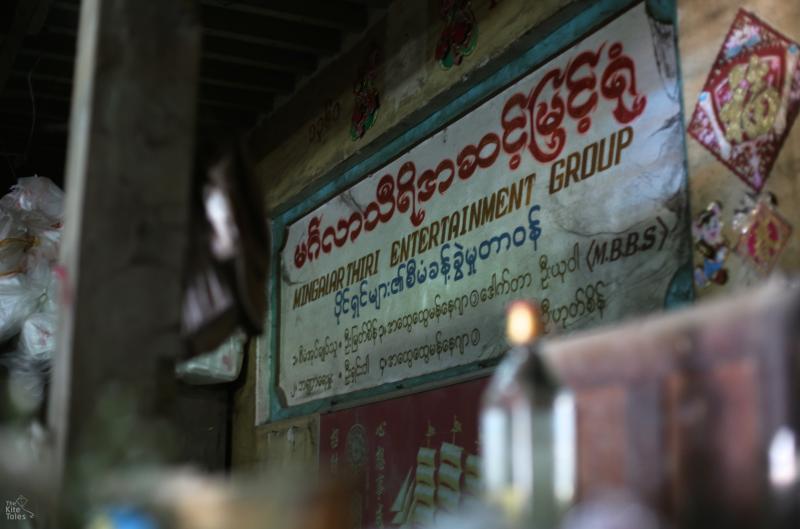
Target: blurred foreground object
x=223, y=364
x=692, y=414
x=527, y=429
x=688, y=419
x=184, y=499
x=31, y=218
x=226, y=289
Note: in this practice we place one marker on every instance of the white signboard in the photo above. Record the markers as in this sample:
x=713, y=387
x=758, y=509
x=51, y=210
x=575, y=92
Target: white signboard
x=567, y=187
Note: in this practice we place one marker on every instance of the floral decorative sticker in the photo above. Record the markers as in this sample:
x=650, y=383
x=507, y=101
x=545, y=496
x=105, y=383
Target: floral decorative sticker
x=764, y=236
x=459, y=35
x=712, y=246
x=750, y=99
x=367, y=97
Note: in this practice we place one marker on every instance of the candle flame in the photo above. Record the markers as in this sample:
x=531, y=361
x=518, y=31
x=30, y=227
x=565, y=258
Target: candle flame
x=522, y=324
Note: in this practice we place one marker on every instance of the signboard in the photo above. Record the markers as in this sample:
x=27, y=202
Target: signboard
x=567, y=187
x=413, y=456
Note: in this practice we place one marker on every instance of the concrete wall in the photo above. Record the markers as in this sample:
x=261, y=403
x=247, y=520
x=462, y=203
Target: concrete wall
x=412, y=85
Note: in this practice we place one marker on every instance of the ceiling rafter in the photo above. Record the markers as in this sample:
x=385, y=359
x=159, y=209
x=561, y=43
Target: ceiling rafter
x=254, y=51
x=269, y=30
x=343, y=15
x=26, y=18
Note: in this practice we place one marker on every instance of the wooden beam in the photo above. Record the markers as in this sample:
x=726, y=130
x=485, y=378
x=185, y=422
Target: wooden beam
x=42, y=67
x=37, y=21
x=222, y=119
x=62, y=19
x=345, y=16
x=62, y=96
x=221, y=73
x=213, y=112
x=39, y=76
x=41, y=87
x=123, y=249
x=268, y=30
x=22, y=122
x=11, y=140
x=51, y=46
x=24, y=19
x=72, y=5
x=380, y=4
x=233, y=107
x=45, y=108
x=256, y=100
x=258, y=55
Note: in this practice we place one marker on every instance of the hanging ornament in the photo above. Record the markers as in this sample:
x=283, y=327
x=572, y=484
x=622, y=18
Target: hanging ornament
x=711, y=245
x=764, y=234
x=750, y=99
x=367, y=98
x=459, y=35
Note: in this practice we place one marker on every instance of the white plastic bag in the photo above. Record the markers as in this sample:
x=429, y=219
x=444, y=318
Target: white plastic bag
x=38, y=337
x=14, y=242
x=31, y=216
x=12, y=254
x=19, y=298
x=220, y=365
x=39, y=200
x=36, y=204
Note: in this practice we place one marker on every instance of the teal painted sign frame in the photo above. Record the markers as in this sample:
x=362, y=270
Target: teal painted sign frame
x=590, y=17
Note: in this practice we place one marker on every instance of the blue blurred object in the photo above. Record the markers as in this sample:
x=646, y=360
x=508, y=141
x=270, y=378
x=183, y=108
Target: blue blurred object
x=123, y=518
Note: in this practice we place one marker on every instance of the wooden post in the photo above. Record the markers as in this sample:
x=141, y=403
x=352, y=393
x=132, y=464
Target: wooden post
x=126, y=231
